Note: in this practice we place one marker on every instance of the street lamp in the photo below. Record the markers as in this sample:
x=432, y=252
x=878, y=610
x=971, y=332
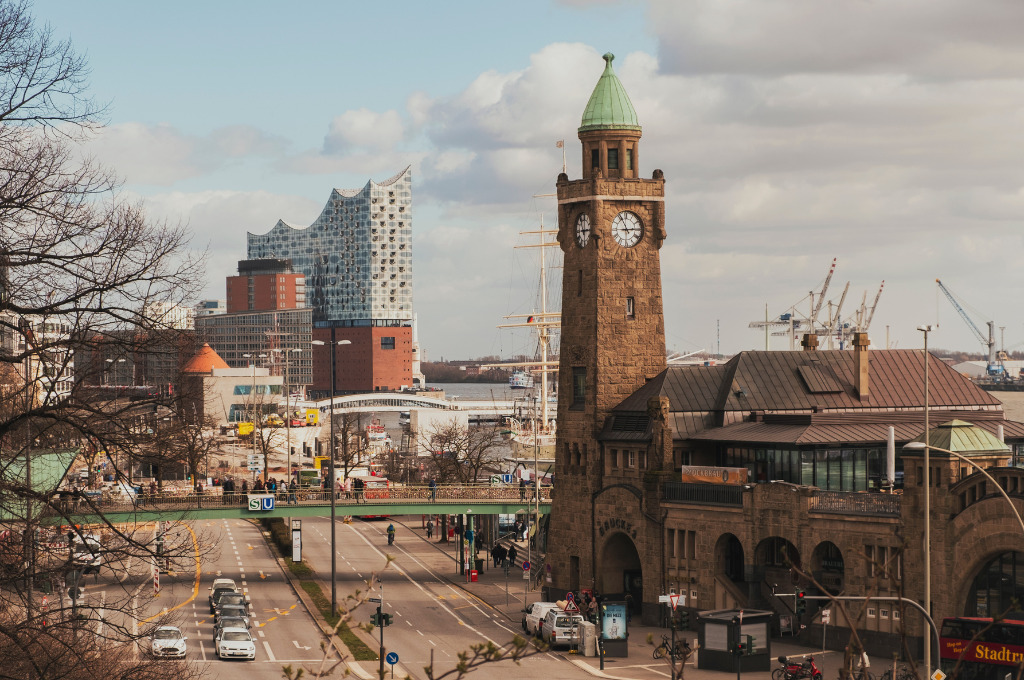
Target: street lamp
x=927, y=484
x=252, y=409
x=330, y=467
x=288, y=412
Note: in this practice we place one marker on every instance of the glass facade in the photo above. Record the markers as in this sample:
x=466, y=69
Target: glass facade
x=270, y=333
x=356, y=256
x=834, y=469
x=998, y=588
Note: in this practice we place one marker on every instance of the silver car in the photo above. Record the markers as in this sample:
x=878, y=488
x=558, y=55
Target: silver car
x=168, y=642
x=234, y=643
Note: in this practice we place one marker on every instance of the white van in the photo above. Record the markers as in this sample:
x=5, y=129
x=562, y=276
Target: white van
x=561, y=627
x=87, y=553
x=534, y=615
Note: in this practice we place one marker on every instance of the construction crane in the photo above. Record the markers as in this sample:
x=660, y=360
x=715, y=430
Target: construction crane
x=790, y=321
x=995, y=365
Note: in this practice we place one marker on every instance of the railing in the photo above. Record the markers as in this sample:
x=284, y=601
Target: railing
x=396, y=495
x=704, y=494
x=856, y=503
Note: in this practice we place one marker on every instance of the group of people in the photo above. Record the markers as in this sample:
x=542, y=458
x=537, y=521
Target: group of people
x=500, y=553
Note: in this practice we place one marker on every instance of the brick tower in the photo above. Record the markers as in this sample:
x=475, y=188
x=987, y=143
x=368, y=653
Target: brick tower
x=611, y=225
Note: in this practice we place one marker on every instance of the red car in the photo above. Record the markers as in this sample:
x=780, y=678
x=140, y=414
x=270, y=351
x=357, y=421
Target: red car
x=298, y=422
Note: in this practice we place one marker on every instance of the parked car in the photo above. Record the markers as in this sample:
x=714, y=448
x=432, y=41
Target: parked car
x=534, y=614
x=234, y=643
x=168, y=642
x=87, y=553
x=560, y=627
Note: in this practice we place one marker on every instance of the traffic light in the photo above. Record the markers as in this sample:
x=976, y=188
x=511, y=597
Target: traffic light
x=386, y=619
x=684, y=619
x=741, y=648
x=801, y=603
x=375, y=619
x=750, y=643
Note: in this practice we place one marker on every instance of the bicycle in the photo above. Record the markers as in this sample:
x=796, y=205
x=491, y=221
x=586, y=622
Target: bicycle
x=902, y=673
x=680, y=651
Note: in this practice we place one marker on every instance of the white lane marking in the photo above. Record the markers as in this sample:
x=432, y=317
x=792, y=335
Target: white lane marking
x=298, y=646
x=270, y=654
x=202, y=649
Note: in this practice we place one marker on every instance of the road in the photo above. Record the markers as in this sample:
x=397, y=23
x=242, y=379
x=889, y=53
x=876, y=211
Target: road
x=434, y=620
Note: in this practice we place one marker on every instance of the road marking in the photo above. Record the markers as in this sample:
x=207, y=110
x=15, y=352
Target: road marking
x=262, y=575
x=270, y=654
x=272, y=618
x=298, y=646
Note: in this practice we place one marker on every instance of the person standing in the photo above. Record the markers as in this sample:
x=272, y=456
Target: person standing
x=430, y=527
x=522, y=489
x=433, y=489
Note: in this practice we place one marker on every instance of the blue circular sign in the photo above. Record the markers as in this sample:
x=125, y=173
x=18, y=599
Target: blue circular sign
x=391, y=658
x=526, y=566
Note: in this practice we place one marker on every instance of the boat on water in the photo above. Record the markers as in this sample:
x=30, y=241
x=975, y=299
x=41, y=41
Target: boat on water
x=520, y=380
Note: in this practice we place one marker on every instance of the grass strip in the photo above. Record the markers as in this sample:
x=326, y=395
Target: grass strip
x=360, y=652
x=300, y=569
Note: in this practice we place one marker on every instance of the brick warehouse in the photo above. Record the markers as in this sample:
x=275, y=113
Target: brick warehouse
x=785, y=453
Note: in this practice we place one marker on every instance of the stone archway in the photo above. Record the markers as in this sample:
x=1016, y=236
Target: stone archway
x=729, y=558
x=997, y=582
x=828, y=566
x=620, y=571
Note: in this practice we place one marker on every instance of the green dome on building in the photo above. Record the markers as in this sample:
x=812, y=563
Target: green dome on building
x=609, y=107
x=964, y=438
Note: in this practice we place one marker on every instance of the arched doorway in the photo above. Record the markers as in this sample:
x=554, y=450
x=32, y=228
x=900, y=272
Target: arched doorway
x=620, y=572
x=828, y=566
x=997, y=584
x=774, y=558
x=729, y=558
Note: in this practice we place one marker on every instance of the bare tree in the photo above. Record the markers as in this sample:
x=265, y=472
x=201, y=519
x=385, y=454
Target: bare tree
x=461, y=454
x=81, y=269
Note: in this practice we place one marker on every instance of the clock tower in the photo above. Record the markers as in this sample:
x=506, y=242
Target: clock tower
x=611, y=225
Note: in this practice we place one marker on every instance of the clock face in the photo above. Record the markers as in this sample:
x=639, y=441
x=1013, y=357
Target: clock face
x=582, y=229
x=627, y=229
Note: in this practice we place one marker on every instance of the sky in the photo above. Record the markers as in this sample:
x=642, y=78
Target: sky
x=791, y=132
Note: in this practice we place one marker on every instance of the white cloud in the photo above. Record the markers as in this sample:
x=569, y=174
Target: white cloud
x=363, y=129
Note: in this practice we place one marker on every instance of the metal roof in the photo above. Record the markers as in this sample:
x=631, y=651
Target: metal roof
x=609, y=107
x=964, y=438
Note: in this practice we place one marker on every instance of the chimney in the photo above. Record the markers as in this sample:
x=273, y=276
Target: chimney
x=810, y=342
x=860, y=351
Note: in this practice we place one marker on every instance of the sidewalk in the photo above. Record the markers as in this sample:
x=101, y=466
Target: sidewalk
x=490, y=588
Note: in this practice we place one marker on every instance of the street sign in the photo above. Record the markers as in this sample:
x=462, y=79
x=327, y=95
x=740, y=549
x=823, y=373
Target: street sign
x=673, y=600
x=526, y=565
x=391, y=658
x=258, y=503
x=826, y=616
x=570, y=604
x=938, y=675
x=375, y=599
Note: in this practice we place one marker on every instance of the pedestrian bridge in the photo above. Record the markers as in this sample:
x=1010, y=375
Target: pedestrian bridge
x=396, y=402
x=412, y=500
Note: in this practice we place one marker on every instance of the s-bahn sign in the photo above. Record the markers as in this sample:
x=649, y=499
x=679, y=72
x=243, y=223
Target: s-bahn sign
x=260, y=503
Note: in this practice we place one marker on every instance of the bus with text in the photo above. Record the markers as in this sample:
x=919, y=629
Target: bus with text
x=984, y=649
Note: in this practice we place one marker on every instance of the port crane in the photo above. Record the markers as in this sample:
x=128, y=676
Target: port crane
x=995, y=361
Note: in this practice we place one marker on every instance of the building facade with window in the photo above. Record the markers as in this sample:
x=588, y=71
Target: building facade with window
x=357, y=261
x=739, y=484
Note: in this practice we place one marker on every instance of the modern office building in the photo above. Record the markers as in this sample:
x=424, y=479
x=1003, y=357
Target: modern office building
x=267, y=322
x=357, y=261
x=211, y=307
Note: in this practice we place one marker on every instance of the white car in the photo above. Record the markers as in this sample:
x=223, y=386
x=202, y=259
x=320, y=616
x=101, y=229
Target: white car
x=534, y=614
x=234, y=643
x=168, y=642
x=560, y=627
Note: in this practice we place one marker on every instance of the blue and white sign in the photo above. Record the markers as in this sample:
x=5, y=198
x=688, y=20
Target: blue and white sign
x=507, y=479
x=260, y=503
x=391, y=658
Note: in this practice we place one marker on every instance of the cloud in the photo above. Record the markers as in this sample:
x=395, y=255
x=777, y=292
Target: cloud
x=363, y=129
x=160, y=154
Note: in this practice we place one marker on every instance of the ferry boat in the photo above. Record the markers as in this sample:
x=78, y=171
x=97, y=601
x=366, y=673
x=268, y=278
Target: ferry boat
x=520, y=380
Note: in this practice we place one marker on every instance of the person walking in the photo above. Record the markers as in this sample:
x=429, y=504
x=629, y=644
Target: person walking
x=513, y=553
x=522, y=489
x=433, y=489
x=430, y=527
x=391, y=534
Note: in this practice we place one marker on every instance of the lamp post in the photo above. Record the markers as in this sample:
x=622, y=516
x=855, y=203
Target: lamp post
x=252, y=407
x=927, y=484
x=330, y=468
x=288, y=413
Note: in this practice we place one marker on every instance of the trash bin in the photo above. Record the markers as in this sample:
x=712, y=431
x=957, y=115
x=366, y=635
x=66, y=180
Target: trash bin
x=474, y=575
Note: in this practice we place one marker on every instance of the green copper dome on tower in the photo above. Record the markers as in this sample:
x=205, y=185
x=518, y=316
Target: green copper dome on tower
x=609, y=107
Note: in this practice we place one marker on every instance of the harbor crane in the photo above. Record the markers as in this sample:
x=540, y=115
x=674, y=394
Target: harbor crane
x=995, y=364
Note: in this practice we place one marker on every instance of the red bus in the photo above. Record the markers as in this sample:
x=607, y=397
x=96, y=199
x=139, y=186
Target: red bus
x=985, y=649
x=375, y=489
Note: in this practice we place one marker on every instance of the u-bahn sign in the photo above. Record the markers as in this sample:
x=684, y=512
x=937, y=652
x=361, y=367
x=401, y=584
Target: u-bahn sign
x=260, y=503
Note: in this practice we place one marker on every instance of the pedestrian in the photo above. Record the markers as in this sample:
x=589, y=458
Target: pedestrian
x=629, y=607
x=592, y=610
x=259, y=485
x=430, y=527
x=360, y=485
x=245, y=486
x=391, y=534
x=522, y=489
x=433, y=489
x=513, y=553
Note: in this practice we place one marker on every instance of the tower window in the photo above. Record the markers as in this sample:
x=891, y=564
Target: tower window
x=579, y=386
x=579, y=283
x=595, y=158
x=630, y=307
x=613, y=159
x=629, y=158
